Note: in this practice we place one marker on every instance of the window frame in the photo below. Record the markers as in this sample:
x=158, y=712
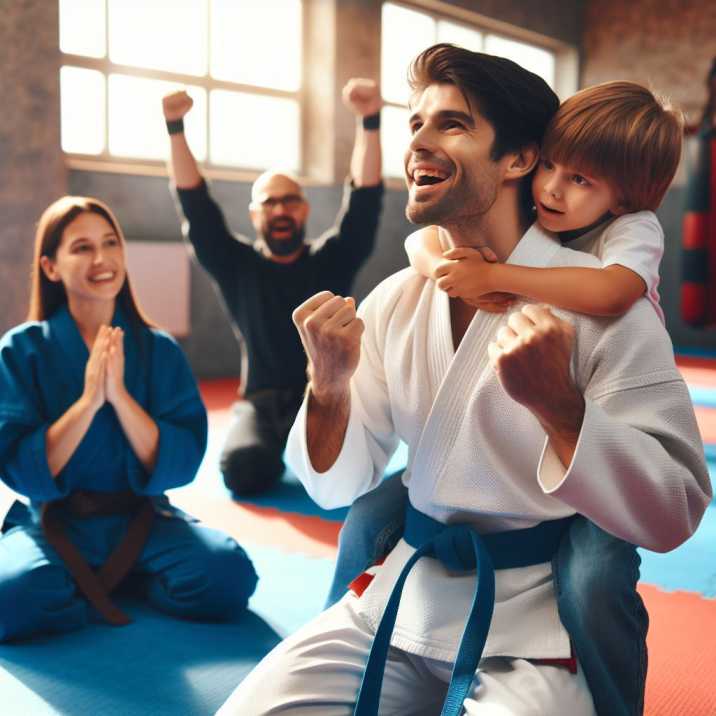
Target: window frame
x=107, y=162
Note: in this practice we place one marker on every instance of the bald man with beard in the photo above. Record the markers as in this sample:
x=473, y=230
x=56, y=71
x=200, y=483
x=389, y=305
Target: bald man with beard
x=262, y=281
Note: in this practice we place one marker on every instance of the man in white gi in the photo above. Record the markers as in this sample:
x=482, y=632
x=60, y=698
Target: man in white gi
x=512, y=423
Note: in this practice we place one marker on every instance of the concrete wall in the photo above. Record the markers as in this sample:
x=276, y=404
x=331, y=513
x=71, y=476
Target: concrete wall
x=668, y=45
x=32, y=172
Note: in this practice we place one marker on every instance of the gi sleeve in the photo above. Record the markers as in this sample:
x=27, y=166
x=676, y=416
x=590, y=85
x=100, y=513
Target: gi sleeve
x=23, y=454
x=177, y=408
x=370, y=438
x=638, y=470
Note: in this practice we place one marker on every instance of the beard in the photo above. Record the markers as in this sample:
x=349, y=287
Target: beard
x=463, y=202
x=288, y=245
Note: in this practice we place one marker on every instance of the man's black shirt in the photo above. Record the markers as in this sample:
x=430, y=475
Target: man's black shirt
x=261, y=294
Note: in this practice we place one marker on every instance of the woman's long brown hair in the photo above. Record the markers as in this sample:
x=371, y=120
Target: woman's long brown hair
x=47, y=296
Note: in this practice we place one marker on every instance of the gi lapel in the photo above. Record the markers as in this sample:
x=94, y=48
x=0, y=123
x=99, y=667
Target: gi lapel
x=65, y=333
x=468, y=368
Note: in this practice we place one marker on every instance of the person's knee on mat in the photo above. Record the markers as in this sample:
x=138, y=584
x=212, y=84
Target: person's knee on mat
x=214, y=583
x=39, y=600
x=251, y=470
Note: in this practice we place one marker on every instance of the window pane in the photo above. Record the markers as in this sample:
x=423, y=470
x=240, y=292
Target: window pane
x=160, y=35
x=136, y=122
x=405, y=33
x=395, y=137
x=257, y=42
x=459, y=35
x=82, y=110
x=253, y=131
x=82, y=27
x=535, y=59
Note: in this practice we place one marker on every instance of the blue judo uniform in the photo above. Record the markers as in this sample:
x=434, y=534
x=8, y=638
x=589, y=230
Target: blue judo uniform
x=187, y=570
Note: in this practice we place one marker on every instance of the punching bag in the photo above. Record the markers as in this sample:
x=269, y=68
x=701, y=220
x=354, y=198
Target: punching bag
x=698, y=285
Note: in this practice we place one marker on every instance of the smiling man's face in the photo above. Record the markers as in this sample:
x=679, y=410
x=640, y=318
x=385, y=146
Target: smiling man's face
x=449, y=171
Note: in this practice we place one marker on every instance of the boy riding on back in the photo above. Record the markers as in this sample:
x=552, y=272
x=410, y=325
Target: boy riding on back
x=608, y=157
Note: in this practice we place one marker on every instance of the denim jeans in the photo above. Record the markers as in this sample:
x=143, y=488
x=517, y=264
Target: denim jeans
x=595, y=576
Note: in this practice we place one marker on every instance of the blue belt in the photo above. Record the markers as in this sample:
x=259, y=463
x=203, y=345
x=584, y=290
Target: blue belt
x=459, y=548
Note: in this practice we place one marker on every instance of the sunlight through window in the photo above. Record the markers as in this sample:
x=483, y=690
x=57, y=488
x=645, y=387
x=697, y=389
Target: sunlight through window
x=170, y=36
x=82, y=27
x=532, y=58
x=460, y=35
x=238, y=118
x=405, y=33
x=395, y=137
x=257, y=43
x=82, y=114
x=126, y=54
x=136, y=123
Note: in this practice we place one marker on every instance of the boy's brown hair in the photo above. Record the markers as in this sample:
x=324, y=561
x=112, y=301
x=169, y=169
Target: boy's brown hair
x=622, y=133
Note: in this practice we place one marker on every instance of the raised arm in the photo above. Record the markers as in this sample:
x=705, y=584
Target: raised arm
x=531, y=356
x=182, y=165
x=330, y=332
x=626, y=451
x=362, y=97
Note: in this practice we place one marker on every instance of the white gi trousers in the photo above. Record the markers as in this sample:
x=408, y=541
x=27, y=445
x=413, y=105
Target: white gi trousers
x=318, y=670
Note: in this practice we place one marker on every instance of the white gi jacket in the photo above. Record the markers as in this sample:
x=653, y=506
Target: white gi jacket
x=478, y=457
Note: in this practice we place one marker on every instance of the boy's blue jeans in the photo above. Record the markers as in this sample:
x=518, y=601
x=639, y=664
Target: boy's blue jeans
x=595, y=576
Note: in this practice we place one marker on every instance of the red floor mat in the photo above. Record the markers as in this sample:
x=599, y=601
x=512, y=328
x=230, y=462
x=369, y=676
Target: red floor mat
x=682, y=663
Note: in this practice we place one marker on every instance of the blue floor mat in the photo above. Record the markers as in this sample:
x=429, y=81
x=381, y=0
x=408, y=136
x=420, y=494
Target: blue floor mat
x=288, y=496
x=703, y=396
x=158, y=665
x=691, y=567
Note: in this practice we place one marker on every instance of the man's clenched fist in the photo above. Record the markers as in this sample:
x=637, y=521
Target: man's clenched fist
x=331, y=333
x=532, y=356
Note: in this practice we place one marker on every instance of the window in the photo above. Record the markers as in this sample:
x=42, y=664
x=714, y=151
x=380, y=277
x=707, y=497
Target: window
x=239, y=61
x=405, y=33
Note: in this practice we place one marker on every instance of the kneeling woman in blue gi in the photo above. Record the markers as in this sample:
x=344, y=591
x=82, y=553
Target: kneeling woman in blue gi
x=99, y=415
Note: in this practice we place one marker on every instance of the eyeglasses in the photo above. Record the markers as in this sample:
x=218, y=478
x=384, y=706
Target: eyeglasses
x=289, y=201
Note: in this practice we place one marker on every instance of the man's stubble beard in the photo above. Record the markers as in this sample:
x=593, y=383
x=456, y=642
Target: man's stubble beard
x=462, y=205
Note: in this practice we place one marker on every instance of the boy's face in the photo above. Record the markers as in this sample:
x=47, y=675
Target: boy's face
x=567, y=200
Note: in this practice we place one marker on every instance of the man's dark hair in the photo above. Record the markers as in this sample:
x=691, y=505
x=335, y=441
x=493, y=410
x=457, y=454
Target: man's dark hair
x=516, y=102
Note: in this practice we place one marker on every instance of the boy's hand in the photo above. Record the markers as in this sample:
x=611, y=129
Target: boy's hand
x=465, y=273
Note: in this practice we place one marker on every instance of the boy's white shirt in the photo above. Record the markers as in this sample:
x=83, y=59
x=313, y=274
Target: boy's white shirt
x=635, y=241
x=478, y=457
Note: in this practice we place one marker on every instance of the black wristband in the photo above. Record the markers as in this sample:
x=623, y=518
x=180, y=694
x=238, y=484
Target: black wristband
x=371, y=121
x=175, y=126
